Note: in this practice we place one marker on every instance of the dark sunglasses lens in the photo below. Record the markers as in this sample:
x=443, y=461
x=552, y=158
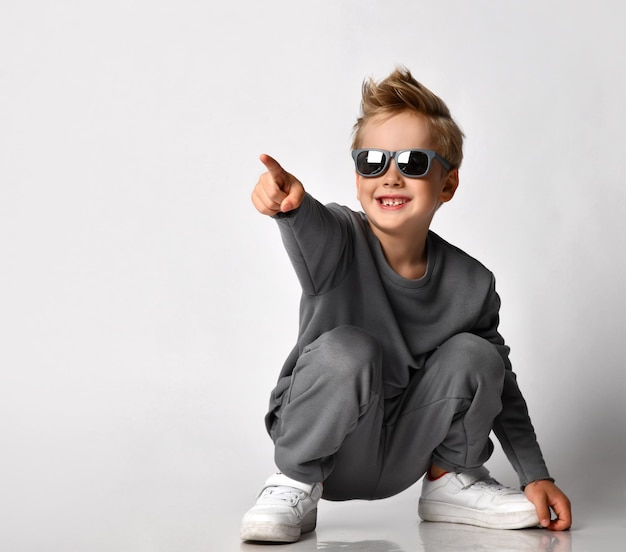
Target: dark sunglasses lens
x=413, y=163
x=370, y=162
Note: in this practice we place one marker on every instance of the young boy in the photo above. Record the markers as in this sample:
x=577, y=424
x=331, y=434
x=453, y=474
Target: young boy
x=399, y=369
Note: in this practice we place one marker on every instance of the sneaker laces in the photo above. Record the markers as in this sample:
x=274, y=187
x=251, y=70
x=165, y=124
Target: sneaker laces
x=283, y=494
x=492, y=485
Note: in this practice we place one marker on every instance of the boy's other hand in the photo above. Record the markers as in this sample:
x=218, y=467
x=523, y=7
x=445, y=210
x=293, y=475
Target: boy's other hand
x=277, y=191
x=545, y=495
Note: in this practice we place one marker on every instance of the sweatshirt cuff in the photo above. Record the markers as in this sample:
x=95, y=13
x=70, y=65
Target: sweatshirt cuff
x=538, y=479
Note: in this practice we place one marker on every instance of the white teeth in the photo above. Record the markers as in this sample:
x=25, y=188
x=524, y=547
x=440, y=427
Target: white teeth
x=388, y=202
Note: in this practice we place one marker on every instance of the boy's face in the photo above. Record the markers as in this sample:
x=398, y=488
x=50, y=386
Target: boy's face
x=396, y=204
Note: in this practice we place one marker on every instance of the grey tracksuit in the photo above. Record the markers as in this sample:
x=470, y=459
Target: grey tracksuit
x=389, y=374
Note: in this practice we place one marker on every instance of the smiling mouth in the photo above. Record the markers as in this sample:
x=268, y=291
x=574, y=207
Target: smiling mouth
x=392, y=201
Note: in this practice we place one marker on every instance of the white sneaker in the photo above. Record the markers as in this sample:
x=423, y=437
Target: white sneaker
x=284, y=509
x=475, y=498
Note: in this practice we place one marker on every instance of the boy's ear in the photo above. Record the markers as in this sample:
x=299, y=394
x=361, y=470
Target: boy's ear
x=450, y=185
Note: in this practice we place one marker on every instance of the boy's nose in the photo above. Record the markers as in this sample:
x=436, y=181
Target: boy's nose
x=393, y=178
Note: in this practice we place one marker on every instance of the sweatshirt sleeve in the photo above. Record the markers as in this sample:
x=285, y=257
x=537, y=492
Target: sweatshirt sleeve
x=514, y=430
x=513, y=426
x=317, y=239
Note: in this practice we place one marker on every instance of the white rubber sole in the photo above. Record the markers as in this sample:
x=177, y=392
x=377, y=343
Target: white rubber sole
x=266, y=531
x=431, y=510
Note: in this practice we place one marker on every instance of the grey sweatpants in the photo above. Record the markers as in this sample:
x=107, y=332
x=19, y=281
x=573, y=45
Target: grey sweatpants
x=334, y=426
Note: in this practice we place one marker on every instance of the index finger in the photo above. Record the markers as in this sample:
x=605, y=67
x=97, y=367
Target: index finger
x=273, y=166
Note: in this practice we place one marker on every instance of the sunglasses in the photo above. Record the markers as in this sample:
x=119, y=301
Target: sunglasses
x=413, y=163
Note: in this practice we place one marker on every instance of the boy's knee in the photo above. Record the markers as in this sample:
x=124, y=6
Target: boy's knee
x=345, y=352
x=474, y=354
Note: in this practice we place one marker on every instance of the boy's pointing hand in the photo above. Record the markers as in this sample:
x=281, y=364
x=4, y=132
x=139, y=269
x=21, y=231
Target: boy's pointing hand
x=276, y=191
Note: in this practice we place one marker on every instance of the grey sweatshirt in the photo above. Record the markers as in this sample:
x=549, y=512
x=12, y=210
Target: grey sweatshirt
x=346, y=280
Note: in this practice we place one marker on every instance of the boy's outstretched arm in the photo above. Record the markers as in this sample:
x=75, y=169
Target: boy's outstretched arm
x=545, y=495
x=277, y=191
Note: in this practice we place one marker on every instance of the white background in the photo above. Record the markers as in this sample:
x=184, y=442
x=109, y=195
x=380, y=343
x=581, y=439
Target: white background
x=146, y=308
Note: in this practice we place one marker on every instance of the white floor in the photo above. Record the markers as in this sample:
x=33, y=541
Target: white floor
x=153, y=509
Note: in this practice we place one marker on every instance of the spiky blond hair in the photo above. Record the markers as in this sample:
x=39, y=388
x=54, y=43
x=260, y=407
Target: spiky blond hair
x=400, y=92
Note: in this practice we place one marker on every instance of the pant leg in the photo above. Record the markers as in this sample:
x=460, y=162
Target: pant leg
x=445, y=415
x=333, y=402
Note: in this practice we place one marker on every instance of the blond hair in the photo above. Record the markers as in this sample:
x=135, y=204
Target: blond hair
x=400, y=92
